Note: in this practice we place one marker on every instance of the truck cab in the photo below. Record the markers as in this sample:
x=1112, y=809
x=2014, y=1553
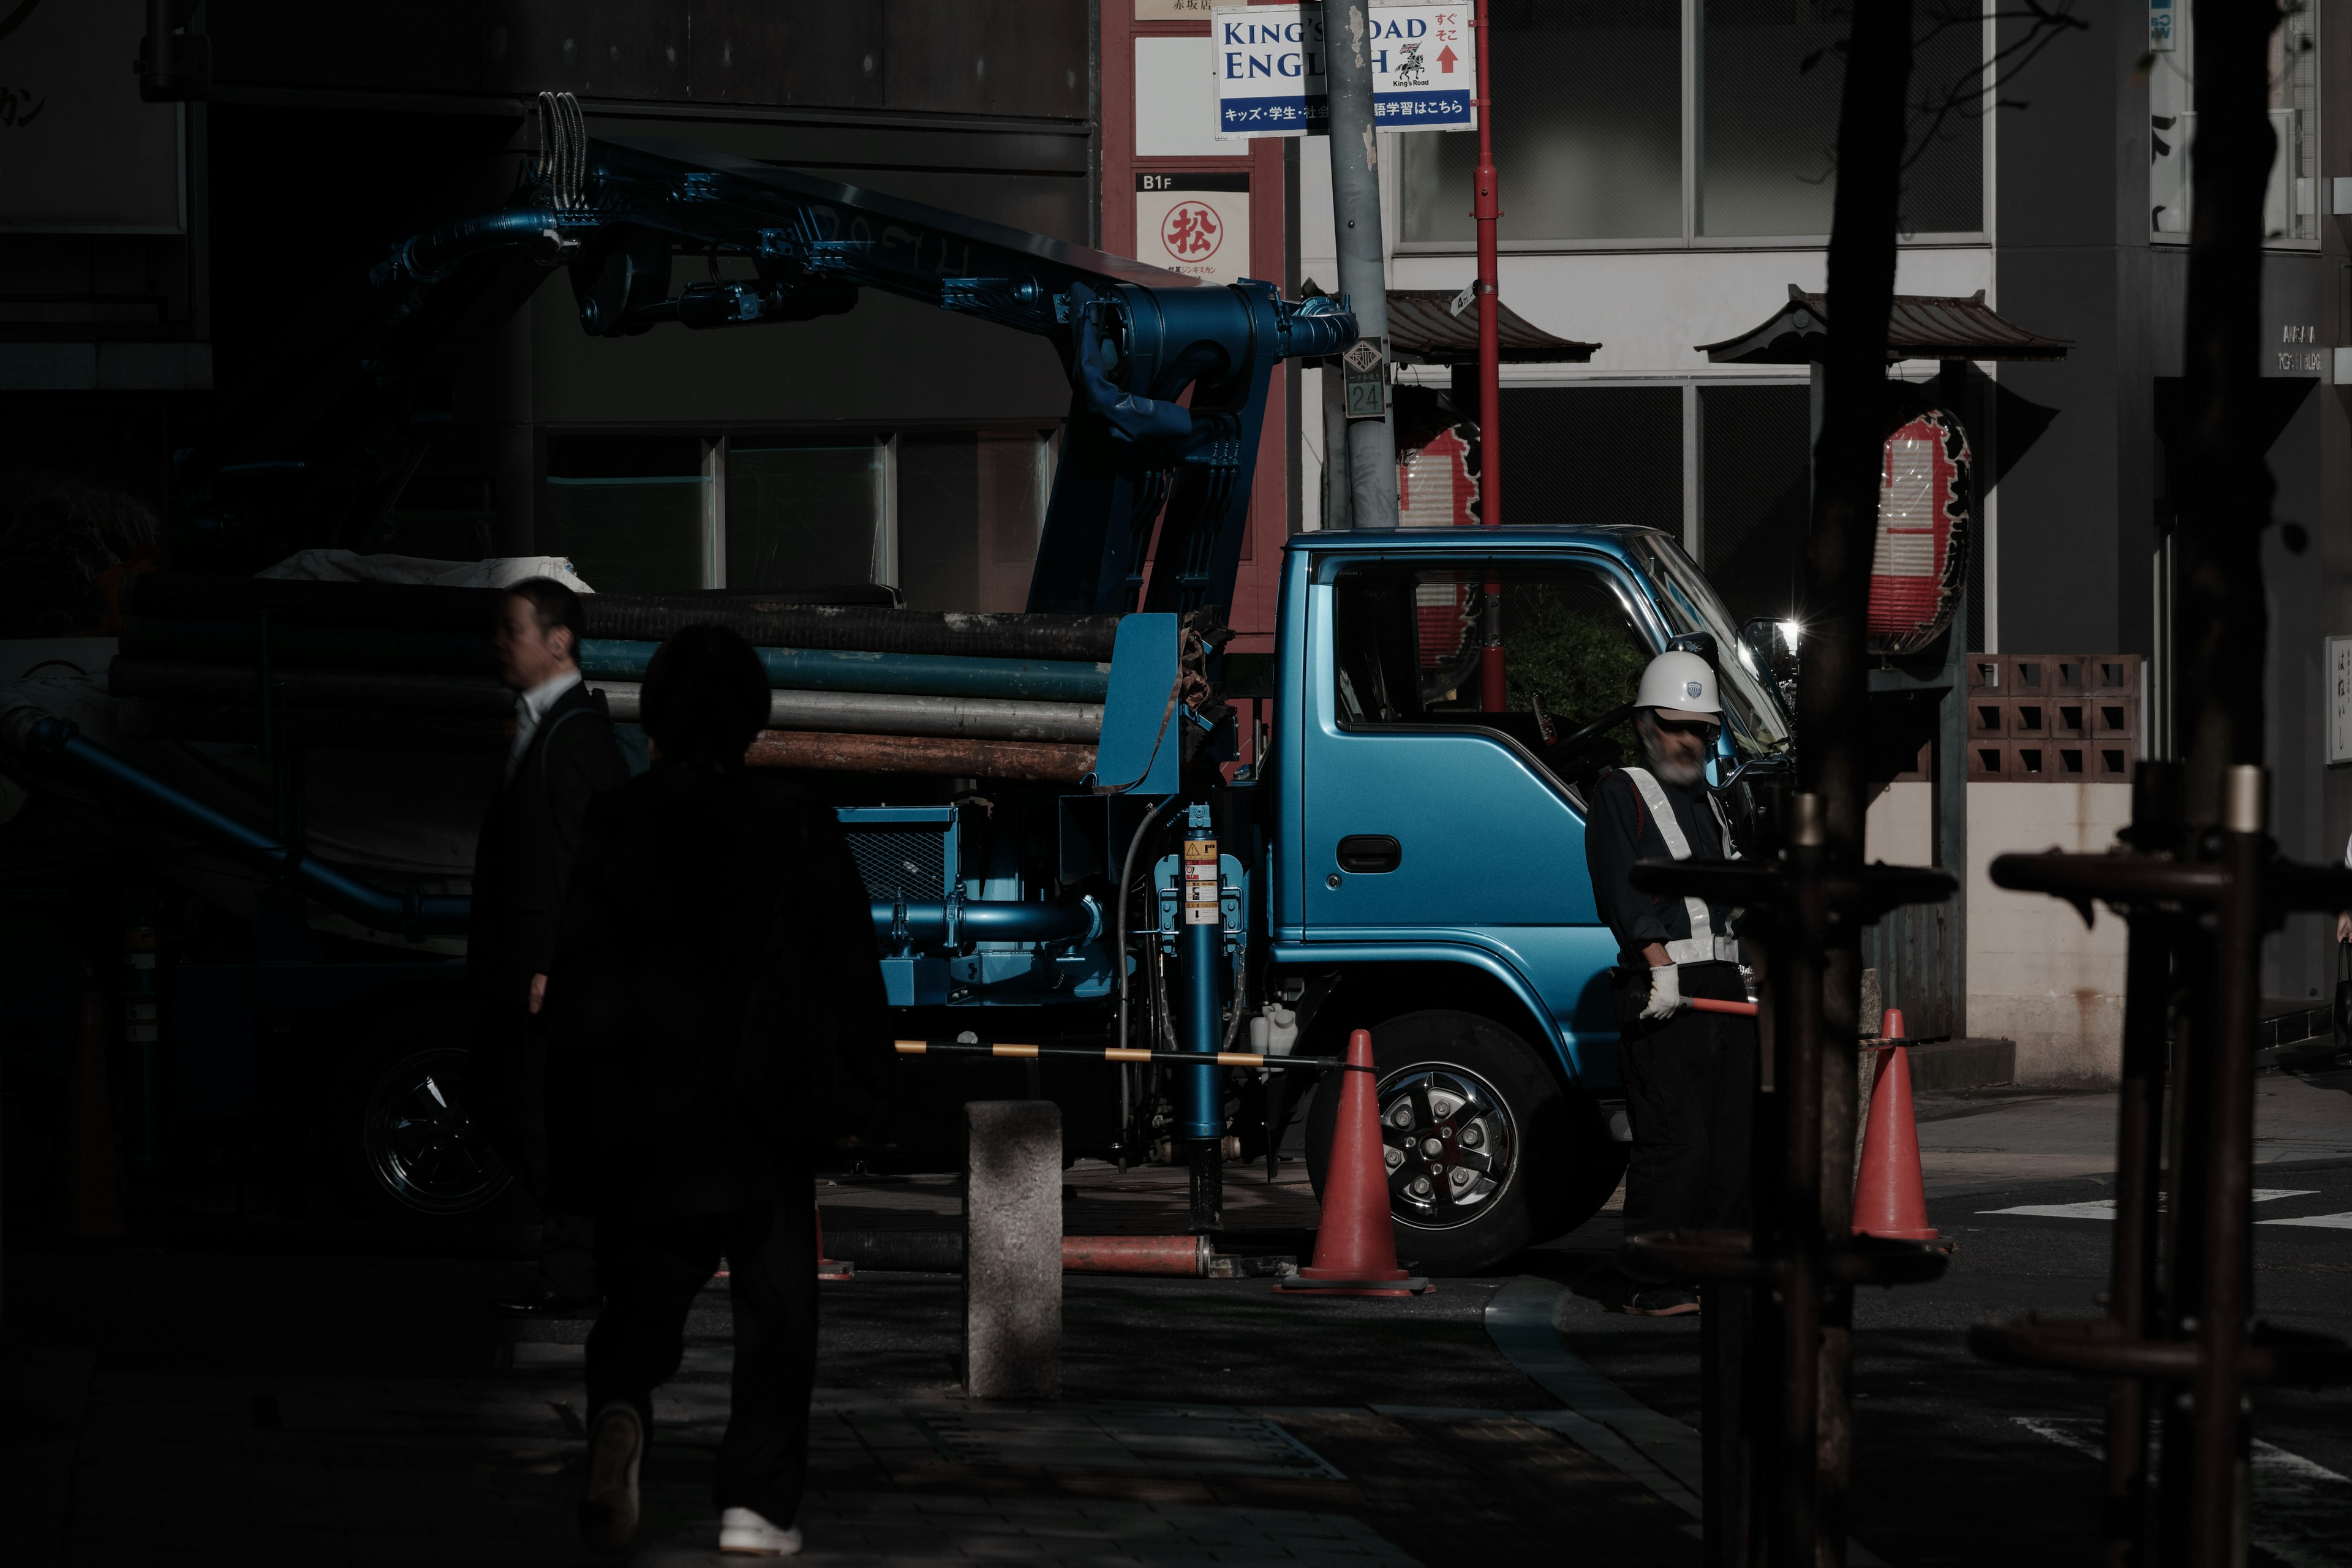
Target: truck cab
x=1427, y=874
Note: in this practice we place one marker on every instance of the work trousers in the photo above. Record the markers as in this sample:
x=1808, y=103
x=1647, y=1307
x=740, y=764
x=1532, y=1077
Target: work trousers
x=507, y=1083
x=1690, y=1084
x=653, y=1269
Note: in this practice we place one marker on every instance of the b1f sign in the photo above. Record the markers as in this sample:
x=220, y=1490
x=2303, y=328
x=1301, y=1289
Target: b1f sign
x=1271, y=81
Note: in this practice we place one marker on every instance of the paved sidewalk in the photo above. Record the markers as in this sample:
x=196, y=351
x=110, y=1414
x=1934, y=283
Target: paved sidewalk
x=1973, y=1137
x=363, y=1471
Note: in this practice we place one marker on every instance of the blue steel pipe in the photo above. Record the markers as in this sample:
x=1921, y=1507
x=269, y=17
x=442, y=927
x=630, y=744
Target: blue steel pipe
x=1201, y=1107
x=931, y=924
x=412, y=913
x=907, y=674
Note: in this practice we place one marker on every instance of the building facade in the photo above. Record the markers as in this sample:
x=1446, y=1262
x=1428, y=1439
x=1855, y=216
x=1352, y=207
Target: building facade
x=1666, y=177
x=163, y=265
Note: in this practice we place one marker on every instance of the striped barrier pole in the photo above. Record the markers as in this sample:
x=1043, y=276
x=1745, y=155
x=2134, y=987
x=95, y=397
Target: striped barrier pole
x=1008, y=1050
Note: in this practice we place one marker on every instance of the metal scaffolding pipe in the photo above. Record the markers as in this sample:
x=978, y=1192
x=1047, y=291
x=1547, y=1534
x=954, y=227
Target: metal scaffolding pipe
x=858, y=712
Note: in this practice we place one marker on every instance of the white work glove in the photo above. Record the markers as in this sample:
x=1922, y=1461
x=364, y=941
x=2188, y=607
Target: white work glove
x=1665, y=992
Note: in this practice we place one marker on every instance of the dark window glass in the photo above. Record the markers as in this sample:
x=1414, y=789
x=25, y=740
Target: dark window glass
x=1769, y=80
x=1588, y=456
x=803, y=515
x=1408, y=643
x=1755, y=495
x=626, y=509
x=1943, y=190
x=1767, y=116
x=970, y=507
x=1588, y=132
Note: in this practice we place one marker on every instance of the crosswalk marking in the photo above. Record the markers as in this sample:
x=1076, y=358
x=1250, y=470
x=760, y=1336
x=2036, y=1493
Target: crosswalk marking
x=2323, y=1221
x=2105, y=1208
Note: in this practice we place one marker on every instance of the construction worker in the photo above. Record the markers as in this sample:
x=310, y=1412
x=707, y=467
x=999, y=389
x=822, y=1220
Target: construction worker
x=1689, y=1076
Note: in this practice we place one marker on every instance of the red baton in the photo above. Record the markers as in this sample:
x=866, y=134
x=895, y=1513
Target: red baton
x=1709, y=1005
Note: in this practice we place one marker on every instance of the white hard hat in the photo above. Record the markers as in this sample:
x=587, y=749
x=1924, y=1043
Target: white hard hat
x=1679, y=683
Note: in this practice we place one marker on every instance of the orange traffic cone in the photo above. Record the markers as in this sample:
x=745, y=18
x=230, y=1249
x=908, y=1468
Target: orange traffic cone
x=1355, y=1244
x=1890, y=1199
x=93, y=1200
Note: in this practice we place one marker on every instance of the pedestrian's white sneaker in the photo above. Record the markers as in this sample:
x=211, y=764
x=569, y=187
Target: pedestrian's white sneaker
x=748, y=1531
x=608, y=1511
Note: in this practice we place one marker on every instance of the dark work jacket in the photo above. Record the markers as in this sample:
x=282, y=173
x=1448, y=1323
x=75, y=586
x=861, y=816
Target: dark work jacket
x=1620, y=831
x=716, y=1013
x=523, y=860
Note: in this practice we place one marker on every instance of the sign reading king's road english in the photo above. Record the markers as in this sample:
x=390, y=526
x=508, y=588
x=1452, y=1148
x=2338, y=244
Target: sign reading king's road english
x=1271, y=81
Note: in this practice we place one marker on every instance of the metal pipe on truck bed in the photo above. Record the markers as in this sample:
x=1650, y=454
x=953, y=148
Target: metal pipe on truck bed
x=395, y=691
x=769, y=620
x=912, y=674
x=1039, y=762
x=148, y=637
x=334, y=729
x=863, y=713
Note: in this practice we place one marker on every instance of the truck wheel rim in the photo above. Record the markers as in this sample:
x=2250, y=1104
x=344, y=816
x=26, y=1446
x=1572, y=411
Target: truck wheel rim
x=421, y=1146
x=1450, y=1143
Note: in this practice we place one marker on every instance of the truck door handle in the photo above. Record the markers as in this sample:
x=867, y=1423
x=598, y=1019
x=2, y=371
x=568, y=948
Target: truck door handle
x=1369, y=852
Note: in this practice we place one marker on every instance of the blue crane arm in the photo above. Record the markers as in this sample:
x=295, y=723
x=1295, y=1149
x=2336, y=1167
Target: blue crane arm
x=1140, y=454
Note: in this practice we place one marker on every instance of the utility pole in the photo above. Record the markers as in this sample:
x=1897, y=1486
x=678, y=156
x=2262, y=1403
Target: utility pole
x=1356, y=224
x=1487, y=210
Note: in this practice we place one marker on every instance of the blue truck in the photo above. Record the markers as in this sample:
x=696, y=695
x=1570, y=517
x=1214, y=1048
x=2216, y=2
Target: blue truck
x=1395, y=855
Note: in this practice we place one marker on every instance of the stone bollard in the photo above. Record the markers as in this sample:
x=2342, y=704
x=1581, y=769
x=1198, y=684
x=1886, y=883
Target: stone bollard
x=1012, y=1250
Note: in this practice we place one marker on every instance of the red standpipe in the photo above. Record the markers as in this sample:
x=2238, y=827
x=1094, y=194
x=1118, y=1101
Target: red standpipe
x=1185, y=1255
x=1487, y=210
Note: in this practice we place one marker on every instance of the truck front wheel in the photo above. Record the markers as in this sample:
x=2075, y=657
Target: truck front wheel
x=1486, y=1154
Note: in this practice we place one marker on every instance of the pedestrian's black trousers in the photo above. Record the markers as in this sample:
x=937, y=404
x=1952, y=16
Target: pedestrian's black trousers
x=653, y=1269
x=506, y=1087
x=1689, y=1089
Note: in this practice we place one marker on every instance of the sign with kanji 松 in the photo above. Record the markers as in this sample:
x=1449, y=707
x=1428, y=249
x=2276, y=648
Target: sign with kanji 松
x=1270, y=78
x=1194, y=223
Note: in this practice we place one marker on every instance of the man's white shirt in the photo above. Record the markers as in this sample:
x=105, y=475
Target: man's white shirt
x=530, y=707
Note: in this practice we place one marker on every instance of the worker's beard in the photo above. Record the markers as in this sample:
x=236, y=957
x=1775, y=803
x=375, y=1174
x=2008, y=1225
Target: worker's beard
x=1681, y=774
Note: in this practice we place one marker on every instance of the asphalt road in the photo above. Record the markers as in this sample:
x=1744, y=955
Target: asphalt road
x=1957, y=1460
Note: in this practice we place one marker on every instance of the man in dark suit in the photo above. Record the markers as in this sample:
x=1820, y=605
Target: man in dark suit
x=563, y=756
x=716, y=1014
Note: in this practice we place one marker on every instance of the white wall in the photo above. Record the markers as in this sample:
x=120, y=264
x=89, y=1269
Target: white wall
x=2035, y=975
x=1900, y=827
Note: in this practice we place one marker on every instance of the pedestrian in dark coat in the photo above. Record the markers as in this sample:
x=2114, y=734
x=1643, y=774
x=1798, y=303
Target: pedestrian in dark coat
x=718, y=1015
x=562, y=757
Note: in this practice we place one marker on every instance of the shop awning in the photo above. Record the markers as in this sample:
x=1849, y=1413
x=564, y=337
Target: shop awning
x=1423, y=330
x=1922, y=326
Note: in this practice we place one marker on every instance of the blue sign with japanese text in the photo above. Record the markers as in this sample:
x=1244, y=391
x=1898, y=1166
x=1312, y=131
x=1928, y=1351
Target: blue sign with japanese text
x=1271, y=81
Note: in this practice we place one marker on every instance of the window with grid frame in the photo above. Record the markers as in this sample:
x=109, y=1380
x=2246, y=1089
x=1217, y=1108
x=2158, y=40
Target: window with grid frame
x=1589, y=125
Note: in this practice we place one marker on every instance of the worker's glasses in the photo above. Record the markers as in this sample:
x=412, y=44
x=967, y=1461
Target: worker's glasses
x=1697, y=729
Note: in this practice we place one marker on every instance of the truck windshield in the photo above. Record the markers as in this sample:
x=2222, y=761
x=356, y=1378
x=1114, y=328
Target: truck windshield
x=1687, y=600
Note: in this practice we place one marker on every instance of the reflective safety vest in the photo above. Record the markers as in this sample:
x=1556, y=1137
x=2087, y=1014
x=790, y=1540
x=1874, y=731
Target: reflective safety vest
x=1703, y=945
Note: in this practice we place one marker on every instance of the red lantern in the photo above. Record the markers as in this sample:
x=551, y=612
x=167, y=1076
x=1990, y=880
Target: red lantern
x=1921, y=561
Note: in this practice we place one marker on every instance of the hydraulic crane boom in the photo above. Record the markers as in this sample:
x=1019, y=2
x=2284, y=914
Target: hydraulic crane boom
x=1134, y=338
